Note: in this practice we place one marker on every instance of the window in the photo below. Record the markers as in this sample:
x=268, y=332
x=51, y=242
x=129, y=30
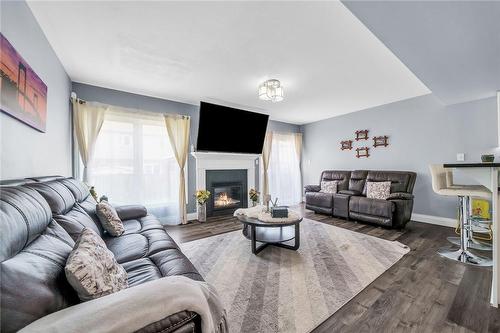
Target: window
x=284, y=169
x=134, y=163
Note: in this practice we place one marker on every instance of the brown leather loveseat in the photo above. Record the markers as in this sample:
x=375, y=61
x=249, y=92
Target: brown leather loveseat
x=350, y=201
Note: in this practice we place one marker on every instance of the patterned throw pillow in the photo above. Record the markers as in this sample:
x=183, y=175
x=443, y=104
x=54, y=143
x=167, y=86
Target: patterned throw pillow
x=329, y=186
x=378, y=190
x=109, y=218
x=92, y=270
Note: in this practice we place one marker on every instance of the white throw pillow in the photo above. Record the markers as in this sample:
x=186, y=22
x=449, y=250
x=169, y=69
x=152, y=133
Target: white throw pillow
x=329, y=186
x=378, y=190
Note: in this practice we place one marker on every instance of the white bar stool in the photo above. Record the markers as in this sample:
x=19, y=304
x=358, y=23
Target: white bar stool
x=442, y=184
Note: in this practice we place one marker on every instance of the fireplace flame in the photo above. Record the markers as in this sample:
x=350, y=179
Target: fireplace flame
x=223, y=199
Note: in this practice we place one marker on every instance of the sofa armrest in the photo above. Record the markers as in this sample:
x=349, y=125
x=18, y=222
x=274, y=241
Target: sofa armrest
x=350, y=192
x=129, y=212
x=135, y=308
x=400, y=196
x=312, y=188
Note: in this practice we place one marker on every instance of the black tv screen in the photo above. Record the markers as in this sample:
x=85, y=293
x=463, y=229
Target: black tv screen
x=225, y=129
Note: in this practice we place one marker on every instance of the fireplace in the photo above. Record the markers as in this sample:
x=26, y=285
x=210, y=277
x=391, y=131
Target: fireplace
x=228, y=189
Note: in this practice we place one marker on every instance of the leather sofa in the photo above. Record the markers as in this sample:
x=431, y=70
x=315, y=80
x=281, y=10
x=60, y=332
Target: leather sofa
x=40, y=220
x=350, y=201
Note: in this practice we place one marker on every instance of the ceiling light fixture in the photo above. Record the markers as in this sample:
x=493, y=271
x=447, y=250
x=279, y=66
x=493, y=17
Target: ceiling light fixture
x=271, y=90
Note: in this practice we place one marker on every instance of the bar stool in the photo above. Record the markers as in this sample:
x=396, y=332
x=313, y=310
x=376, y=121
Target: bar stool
x=442, y=184
x=472, y=242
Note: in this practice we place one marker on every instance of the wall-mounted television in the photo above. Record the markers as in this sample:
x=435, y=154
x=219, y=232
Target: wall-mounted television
x=230, y=130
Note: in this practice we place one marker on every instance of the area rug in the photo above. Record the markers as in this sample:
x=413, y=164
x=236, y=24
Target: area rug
x=281, y=290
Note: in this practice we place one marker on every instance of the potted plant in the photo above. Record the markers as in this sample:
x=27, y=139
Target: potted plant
x=201, y=198
x=254, y=196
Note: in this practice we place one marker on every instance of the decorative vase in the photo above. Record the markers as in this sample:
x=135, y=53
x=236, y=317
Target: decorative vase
x=254, y=203
x=202, y=212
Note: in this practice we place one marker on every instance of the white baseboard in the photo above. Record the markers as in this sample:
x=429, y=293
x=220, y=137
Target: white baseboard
x=438, y=220
x=192, y=216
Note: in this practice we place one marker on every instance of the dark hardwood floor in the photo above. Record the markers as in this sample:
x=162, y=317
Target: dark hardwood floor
x=421, y=293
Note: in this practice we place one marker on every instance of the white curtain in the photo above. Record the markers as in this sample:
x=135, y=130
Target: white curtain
x=178, y=133
x=284, y=168
x=134, y=163
x=88, y=118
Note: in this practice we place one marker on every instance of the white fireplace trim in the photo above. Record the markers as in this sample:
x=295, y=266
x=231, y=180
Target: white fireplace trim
x=225, y=161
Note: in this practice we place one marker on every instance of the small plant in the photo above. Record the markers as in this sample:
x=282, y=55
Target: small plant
x=254, y=195
x=202, y=196
x=93, y=193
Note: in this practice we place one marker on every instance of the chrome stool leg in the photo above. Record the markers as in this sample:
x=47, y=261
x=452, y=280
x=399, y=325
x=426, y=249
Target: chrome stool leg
x=463, y=254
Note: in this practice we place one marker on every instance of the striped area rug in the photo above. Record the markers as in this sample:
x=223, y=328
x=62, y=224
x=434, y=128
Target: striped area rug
x=280, y=290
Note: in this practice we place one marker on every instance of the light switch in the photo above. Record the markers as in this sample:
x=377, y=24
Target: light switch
x=460, y=157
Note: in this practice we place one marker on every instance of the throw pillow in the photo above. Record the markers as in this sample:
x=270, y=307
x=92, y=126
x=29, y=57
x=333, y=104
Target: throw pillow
x=329, y=186
x=378, y=190
x=92, y=270
x=109, y=218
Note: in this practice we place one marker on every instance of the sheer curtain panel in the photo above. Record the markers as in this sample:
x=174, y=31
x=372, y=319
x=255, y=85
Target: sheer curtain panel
x=134, y=163
x=284, y=168
x=88, y=118
x=178, y=133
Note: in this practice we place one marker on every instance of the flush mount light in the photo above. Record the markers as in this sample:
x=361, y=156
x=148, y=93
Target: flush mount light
x=271, y=90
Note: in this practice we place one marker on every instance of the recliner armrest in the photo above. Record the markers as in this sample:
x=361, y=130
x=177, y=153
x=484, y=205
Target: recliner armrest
x=129, y=212
x=312, y=188
x=349, y=192
x=400, y=196
x=137, y=307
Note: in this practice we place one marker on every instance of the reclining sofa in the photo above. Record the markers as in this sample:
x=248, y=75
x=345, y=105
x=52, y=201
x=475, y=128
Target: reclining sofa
x=350, y=201
x=40, y=220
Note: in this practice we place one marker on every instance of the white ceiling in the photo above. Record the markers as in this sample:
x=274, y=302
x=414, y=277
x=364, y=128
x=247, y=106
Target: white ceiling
x=328, y=61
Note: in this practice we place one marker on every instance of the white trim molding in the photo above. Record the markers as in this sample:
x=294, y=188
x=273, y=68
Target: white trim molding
x=224, y=161
x=437, y=220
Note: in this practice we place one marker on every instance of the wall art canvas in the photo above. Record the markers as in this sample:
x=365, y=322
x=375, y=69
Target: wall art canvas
x=23, y=93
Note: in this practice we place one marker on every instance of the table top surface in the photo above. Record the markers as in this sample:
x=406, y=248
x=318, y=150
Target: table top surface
x=471, y=165
x=255, y=221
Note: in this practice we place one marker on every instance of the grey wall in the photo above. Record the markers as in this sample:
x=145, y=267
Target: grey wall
x=129, y=100
x=421, y=131
x=26, y=152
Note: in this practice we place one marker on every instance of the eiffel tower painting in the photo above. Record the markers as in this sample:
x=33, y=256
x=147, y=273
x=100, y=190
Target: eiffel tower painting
x=23, y=93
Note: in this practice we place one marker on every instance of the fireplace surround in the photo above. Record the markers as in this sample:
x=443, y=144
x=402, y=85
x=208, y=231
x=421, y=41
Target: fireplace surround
x=228, y=189
x=241, y=168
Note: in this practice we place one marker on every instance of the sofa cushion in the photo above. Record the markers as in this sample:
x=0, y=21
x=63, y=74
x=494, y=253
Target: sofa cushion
x=65, y=210
x=342, y=177
x=134, y=246
x=148, y=222
x=109, y=218
x=165, y=263
x=91, y=268
x=33, y=252
x=374, y=207
x=357, y=180
x=319, y=199
x=401, y=181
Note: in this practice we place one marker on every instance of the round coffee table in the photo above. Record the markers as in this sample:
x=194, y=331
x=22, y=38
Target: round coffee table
x=270, y=233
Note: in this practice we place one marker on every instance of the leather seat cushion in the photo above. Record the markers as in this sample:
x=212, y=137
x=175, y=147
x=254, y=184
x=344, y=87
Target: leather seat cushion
x=376, y=207
x=134, y=246
x=148, y=222
x=319, y=199
x=165, y=263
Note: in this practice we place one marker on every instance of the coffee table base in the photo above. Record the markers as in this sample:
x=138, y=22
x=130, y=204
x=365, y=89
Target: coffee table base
x=274, y=236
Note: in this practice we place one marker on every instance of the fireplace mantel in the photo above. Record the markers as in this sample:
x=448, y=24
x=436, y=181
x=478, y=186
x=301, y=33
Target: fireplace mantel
x=224, y=161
